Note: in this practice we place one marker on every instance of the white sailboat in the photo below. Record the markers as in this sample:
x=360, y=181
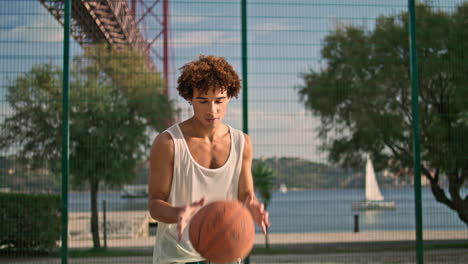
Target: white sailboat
x=134, y=191
x=283, y=188
x=374, y=198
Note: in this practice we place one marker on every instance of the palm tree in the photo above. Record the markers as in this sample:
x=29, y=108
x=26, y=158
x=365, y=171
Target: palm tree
x=263, y=183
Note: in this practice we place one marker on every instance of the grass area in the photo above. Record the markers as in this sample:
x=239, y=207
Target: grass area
x=447, y=246
x=82, y=253
x=102, y=252
x=357, y=247
x=10, y=252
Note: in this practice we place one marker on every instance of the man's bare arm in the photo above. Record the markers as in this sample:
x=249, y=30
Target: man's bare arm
x=160, y=180
x=246, y=185
x=160, y=184
x=246, y=192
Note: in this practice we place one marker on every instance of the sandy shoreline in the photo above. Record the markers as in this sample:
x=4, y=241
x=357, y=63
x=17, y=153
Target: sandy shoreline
x=131, y=230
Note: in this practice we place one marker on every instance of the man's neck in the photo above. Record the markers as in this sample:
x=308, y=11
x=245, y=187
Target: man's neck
x=197, y=129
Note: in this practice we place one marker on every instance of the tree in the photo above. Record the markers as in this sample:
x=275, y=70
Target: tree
x=263, y=183
x=363, y=98
x=110, y=119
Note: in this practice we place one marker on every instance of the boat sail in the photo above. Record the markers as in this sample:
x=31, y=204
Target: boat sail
x=283, y=188
x=374, y=198
x=372, y=188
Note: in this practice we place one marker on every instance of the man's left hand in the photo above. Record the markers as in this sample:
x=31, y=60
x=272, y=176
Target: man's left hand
x=259, y=214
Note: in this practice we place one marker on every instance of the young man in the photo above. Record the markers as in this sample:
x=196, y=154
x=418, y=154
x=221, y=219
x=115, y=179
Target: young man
x=199, y=160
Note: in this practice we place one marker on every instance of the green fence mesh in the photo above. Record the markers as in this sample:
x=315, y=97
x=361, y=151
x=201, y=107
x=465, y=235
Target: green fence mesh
x=329, y=112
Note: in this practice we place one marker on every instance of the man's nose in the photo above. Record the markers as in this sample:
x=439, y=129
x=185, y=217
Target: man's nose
x=213, y=107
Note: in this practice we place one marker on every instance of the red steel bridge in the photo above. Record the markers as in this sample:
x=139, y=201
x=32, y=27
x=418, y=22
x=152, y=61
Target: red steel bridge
x=120, y=23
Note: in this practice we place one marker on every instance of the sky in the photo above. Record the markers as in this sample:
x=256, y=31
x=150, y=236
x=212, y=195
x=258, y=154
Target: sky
x=284, y=40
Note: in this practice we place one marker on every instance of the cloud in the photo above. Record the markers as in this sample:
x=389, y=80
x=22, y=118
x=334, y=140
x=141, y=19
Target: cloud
x=41, y=29
x=202, y=38
x=272, y=27
x=290, y=133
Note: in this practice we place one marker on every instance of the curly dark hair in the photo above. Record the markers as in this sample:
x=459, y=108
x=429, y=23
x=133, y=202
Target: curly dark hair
x=208, y=72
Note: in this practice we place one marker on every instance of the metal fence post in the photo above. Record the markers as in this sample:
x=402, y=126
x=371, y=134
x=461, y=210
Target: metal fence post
x=356, y=223
x=245, y=119
x=104, y=224
x=416, y=140
x=65, y=130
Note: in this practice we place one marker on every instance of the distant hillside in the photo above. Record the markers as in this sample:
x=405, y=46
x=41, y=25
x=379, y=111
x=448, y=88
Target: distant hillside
x=303, y=174
x=296, y=173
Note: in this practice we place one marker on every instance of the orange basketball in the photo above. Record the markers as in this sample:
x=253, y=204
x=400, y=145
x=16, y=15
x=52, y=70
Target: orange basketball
x=222, y=231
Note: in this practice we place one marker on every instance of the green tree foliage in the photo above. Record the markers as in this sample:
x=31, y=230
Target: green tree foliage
x=114, y=104
x=141, y=85
x=363, y=97
x=263, y=178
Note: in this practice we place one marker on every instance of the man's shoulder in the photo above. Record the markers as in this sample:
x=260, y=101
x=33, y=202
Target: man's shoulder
x=163, y=141
x=235, y=130
x=164, y=136
x=240, y=135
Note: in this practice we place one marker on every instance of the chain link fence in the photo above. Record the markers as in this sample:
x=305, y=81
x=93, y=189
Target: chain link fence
x=329, y=112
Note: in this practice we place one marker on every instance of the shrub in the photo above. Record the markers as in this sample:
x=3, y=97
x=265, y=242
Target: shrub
x=29, y=222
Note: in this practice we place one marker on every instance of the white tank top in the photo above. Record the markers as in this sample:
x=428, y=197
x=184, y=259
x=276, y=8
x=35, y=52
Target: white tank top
x=190, y=182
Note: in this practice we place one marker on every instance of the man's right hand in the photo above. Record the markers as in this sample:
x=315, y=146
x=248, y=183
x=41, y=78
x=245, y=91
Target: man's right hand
x=185, y=215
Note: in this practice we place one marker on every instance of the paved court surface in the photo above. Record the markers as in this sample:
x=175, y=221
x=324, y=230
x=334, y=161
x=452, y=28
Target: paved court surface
x=431, y=256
